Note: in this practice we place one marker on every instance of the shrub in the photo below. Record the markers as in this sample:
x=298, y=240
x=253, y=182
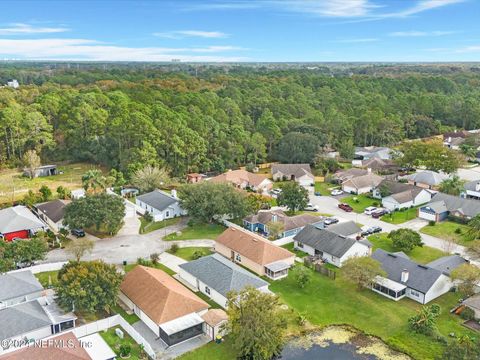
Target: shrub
x=154, y=258
x=174, y=248
x=148, y=217
x=458, y=231
x=431, y=223
x=125, y=350
x=467, y=314
x=197, y=255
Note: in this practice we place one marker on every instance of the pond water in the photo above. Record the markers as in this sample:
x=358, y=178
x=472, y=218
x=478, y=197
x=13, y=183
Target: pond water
x=339, y=343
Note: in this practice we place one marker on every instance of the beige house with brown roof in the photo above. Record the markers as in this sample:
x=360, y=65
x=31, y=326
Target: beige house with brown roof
x=168, y=308
x=243, y=179
x=362, y=184
x=255, y=253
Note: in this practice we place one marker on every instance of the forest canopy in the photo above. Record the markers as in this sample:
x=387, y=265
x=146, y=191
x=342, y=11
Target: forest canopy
x=214, y=121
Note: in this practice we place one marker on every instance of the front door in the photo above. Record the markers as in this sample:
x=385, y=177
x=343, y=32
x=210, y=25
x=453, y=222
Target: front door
x=232, y=256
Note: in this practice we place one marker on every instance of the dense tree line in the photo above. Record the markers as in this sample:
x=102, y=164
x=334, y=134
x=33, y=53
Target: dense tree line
x=126, y=118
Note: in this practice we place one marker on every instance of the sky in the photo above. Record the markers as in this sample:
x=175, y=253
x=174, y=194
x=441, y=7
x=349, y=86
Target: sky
x=241, y=30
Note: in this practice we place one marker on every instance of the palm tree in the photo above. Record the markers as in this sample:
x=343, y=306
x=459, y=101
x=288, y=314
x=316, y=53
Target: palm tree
x=452, y=186
x=93, y=181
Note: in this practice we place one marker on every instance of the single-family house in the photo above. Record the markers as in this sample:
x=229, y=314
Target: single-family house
x=454, y=139
x=396, y=195
x=472, y=189
x=291, y=224
x=194, y=178
x=243, y=179
x=426, y=179
x=160, y=204
x=215, y=320
x=164, y=305
x=77, y=193
x=331, y=247
x=19, y=222
x=301, y=173
x=254, y=252
x=406, y=278
x=447, y=264
x=443, y=205
x=347, y=228
x=13, y=83
x=42, y=171
x=362, y=184
x=370, y=152
x=473, y=302
x=215, y=276
x=19, y=286
x=34, y=320
x=343, y=175
x=379, y=165
x=52, y=213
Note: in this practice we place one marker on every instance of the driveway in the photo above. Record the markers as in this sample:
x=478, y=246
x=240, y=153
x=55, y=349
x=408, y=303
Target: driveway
x=470, y=174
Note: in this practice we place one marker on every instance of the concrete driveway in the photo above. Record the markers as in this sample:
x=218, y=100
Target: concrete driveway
x=470, y=174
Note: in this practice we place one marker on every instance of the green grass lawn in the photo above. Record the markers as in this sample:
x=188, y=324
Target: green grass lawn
x=44, y=277
x=187, y=252
x=448, y=230
x=398, y=217
x=209, y=301
x=212, y=351
x=169, y=271
x=298, y=253
x=114, y=342
x=422, y=255
x=146, y=227
x=198, y=231
x=360, y=202
x=324, y=188
x=130, y=318
x=314, y=213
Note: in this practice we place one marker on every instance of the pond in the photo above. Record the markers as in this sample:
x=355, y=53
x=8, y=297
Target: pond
x=339, y=343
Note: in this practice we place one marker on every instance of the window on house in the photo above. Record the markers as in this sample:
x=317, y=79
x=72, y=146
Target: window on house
x=415, y=293
x=168, y=213
x=300, y=245
x=238, y=258
x=207, y=290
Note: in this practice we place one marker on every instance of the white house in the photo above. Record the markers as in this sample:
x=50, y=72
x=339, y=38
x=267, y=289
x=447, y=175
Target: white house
x=472, y=189
x=215, y=276
x=401, y=196
x=331, y=247
x=405, y=278
x=160, y=204
x=17, y=287
x=52, y=213
x=301, y=173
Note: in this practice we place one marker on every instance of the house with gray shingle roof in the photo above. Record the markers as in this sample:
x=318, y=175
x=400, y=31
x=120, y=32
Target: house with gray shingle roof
x=215, y=276
x=472, y=189
x=426, y=179
x=160, y=204
x=19, y=286
x=443, y=205
x=301, y=173
x=331, y=247
x=346, y=228
x=19, y=221
x=406, y=278
x=398, y=195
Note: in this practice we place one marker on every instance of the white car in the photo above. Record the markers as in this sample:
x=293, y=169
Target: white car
x=311, y=207
x=276, y=191
x=370, y=210
x=336, y=192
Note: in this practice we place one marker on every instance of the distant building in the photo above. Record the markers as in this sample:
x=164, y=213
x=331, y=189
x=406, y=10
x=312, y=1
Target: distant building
x=370, y=152
x=301, y=173
x=13, y=83
x=426, y=179
x=42, y=171
x=243, y=179
x=472, y=189
x=194, y=178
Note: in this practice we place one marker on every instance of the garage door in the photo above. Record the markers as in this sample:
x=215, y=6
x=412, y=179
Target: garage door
x=23, y=234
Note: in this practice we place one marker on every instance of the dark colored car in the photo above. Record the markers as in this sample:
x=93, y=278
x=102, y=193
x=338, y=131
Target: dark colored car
x=78, y=232
x=345, y=207
x=317, y=193
x=380, y=213
x=371, y=230
x=330, y=221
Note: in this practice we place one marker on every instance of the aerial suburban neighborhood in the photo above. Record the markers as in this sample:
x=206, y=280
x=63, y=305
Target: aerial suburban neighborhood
x=235, y=179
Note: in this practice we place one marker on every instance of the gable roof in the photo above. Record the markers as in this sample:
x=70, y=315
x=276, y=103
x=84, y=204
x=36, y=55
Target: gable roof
x=18, y=284
x=214, y=317
x=157, y=199
x=325, y=240
x=400, y=192
x=239, y=177
x=373, y=151
x=473, y=301
x=472, y=185
x=298, y=170
x=344, y=175
x=346, y=228
x=159, y=295
x=378, y=163
x=420, y=278
x=252, y=246
x=54, y=210
x=427, y=177
x=290, y=222
x=221, y=274
x=18, y=218
x=447, y=264
x=443, y=202
x=22, y=318
x=56, y=349
x=364, y=181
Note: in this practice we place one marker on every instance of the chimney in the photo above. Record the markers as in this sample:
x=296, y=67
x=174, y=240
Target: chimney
x=477, y=186
x=404, y=277
x=174, y=193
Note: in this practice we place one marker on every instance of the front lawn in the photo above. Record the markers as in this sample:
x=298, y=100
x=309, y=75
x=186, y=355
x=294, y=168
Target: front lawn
x=327, y=302
x=47, y=278
x=448, y=230
x=115, y=342
x=186, y=253
x=360, y=202
x=399, y=217
x=197, y=231
x=298, y=253
x=325, y=188
x=149, y=226
x=422, y=255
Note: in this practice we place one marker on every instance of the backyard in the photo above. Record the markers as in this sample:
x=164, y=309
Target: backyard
x=448, y=230
x=197, y=231
x=298, y=253
x=360, y=202
x=13, y=179
x=47, y=278
x=399, y=217
x=115, y=342
x=187, y=253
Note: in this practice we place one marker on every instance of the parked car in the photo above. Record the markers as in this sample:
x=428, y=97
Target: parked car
x=370, y=210
x=371, y=230
x=78, y=232
x=276, y=191
x=330, y=221
x=336, y=192
x=311, y=207
x=318, y=193
x=379, y=213
x=345, y=207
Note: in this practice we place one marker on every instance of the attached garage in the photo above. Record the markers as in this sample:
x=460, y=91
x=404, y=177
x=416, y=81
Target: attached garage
x=19, y=221
x=22, y=234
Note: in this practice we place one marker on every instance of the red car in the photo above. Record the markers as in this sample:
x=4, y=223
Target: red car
x=345, y=207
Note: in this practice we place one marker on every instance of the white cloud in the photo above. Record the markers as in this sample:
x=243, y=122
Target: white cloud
x=415, y=33
x=191, y=33
x=360, y=40
x=330, y=8
x=469, y=49
x=26, y=29
x=84, y=49
x=424, y=5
